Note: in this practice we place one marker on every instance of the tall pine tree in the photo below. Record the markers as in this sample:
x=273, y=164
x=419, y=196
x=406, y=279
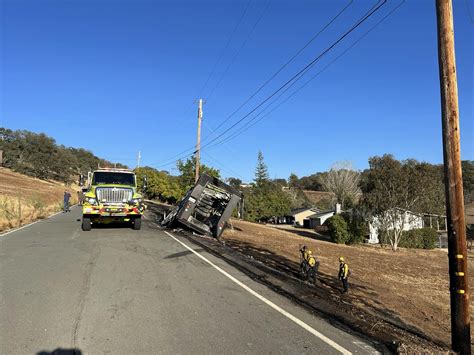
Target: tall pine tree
x=261, y=172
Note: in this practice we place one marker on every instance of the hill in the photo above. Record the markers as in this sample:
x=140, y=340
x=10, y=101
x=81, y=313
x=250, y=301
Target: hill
x=39, y=156
x=24, y=199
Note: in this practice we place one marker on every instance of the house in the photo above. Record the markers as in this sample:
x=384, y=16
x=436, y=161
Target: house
x=297, y=216
x=319, y=218
x=398, y=218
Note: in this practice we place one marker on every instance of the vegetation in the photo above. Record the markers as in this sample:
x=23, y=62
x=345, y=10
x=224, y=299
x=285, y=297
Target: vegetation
x=160, y=185
x=265, y=199
x=37, y=155
x=187, y=172
x=356, y=225
x=424, y=238
x=388, y=184
x=391, y=187
x=343, y=181
x=168, y=188
x=338, y=230
x=468, y=180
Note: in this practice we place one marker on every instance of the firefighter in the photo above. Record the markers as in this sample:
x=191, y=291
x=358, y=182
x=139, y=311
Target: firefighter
x=66, y=198
x=304, y=252
x=309, y=265
x=343, y=274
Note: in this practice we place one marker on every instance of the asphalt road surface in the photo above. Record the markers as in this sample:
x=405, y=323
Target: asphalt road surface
x=120, y=291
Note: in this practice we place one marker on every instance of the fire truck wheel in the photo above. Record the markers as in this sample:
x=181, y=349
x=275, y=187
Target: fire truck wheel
x=86, y=224
x=137, y=224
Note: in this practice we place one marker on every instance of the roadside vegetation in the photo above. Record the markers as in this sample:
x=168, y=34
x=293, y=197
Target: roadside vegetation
x=24, y=199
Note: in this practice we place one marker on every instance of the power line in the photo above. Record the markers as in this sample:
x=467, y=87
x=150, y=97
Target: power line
x=312, y=39
x=222, y=166
x=249, y=124
x=229, y=40
x=249, y=35
x=304, y=70
x=205, y=125
x=315, y=36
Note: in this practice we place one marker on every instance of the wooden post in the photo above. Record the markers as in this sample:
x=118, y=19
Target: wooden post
x=198, y=144
x=457, y=252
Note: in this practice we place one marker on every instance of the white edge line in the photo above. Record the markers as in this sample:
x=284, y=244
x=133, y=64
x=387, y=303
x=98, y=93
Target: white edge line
x=30, y=224
x=268, y=302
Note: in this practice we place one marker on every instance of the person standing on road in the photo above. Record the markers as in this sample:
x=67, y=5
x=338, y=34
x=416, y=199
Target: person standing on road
x=67, y=196
x=343, y=274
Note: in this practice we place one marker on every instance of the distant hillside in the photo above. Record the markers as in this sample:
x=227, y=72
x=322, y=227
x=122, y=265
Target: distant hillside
x=24, y=199
x=320, y=198
x=39, y=156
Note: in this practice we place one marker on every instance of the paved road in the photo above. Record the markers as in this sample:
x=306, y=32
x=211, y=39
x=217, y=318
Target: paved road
x=120, y=291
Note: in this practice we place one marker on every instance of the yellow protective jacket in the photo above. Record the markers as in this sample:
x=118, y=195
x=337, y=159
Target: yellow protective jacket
x=343, y=271
x=310, y=259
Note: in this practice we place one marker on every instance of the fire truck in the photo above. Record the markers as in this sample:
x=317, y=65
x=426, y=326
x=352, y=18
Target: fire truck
x=112, y=196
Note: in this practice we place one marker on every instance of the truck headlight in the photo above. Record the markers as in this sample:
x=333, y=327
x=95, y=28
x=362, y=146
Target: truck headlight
x=91, y=200
x=135, y=201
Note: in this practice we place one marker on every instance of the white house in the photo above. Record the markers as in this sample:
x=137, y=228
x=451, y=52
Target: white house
x=394, y=218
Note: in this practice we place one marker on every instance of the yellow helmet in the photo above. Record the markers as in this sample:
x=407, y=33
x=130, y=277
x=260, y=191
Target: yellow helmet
x=309, y=252
x=341, y=258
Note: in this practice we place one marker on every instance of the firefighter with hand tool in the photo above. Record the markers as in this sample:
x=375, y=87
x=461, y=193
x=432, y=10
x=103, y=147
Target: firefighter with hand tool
x=309, y=265
x=344, y=274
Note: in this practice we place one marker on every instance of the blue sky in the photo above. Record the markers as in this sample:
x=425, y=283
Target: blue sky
x=116, y=77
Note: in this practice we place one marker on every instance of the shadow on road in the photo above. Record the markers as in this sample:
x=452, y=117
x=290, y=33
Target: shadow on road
x=115, y=225
x=180, y=254
x=60, y=351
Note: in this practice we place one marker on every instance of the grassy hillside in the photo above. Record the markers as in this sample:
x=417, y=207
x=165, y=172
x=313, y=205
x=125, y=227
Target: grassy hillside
x=24, y=199
x=409, y=285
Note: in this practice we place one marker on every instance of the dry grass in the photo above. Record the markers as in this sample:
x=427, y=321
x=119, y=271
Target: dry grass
x=24, y=199
x=408, y=285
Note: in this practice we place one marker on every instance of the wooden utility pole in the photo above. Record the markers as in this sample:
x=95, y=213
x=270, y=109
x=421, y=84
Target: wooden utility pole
x=198, y=144
x=457, y=251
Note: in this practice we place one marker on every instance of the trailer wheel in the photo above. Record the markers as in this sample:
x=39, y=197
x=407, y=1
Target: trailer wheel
x=137, y=224
x=86, y=224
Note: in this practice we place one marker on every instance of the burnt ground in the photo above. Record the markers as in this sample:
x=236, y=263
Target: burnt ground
x=366, y=316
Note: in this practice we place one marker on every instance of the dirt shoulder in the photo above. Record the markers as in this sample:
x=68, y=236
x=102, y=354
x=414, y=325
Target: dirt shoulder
x=408, y=288
x=24, y=199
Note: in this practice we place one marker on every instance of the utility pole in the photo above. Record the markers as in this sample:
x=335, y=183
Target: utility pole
x=138, y=159
x=198, y=144
x=457, y=252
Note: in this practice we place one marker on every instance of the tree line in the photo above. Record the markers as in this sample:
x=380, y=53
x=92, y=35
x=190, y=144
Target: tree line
x=39, y=156
x=387, y=183
x=387, y=190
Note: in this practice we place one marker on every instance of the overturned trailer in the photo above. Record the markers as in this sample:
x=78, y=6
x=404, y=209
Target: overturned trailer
x=205, y=208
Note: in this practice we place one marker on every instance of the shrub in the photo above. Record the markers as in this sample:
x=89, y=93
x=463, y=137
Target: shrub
x=357, y=228
x=424, y=238
x=358, y=232
x=337, y=228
